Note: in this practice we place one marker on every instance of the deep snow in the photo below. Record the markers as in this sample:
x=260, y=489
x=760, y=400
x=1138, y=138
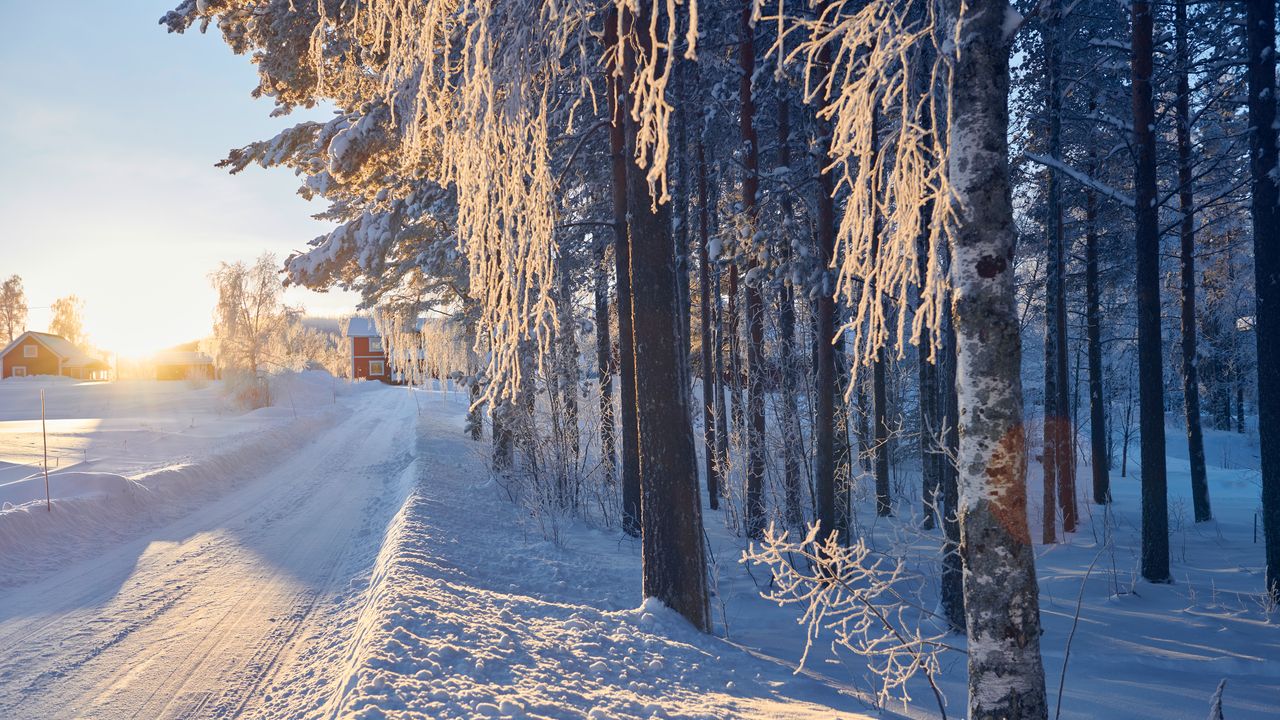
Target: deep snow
x=356, y=560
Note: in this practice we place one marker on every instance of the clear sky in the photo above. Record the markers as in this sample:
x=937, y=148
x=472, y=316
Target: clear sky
x=109, y=130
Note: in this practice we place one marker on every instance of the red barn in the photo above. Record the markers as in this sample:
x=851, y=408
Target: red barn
x=368, y=358
x=34, y=353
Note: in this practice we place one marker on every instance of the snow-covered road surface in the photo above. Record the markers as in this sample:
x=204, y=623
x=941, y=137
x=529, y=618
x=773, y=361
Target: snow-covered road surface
x=195, y=618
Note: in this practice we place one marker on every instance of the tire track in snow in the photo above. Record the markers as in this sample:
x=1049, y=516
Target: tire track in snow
x=206, y=622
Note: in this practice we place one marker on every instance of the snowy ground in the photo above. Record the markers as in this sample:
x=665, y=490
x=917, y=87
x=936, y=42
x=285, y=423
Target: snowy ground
x=356, y=561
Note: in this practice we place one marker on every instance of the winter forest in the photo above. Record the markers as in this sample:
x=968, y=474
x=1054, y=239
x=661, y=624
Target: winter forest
x=910, y=299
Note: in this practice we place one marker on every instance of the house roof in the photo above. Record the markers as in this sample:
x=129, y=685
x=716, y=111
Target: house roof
x=71, y=355
x=360, y=326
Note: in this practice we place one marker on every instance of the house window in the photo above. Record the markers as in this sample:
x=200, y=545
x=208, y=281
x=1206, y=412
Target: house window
x=375, y=367
x=375, y=345
x=30, y=351
x=19, y=371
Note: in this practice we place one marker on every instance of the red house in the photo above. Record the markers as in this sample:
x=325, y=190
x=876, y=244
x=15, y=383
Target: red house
x=368, y=358
x=35, y=353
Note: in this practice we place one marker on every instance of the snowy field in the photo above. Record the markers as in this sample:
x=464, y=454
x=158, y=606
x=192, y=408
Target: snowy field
x=345, y=554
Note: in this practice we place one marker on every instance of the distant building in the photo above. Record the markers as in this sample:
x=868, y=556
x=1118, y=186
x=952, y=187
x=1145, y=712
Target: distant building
x=368, y=353
x=36, y=353
x=184, y=365
x=368, y=356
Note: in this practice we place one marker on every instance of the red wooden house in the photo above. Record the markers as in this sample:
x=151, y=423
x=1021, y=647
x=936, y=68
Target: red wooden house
x=35, y=353
x=368, y=357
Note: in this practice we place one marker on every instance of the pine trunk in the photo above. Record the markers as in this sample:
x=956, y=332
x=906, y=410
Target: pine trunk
x=1099, y=461
x=1006, y=676
x=1187, y=235
x=880, y=438
x=753, y=302
x=1155, y=501
x=930, y=459
x=604, y=363
x=629, y=429
x=673, y=557
x=792, y=438
x=824, y=339
x=1057, y=455
x=710, y=381
x=1261, y=21
x=952, y=563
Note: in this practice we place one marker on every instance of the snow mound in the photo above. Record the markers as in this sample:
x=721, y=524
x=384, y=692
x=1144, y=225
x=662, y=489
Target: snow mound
x=68, y=484
x=93, y=508
x=465, y=616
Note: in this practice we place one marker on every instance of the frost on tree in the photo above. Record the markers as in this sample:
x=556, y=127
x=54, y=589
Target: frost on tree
x=948, y=147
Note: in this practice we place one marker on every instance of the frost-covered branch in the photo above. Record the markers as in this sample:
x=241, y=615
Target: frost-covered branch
x=1085, y=180
x=849, y=591
x=877, y=70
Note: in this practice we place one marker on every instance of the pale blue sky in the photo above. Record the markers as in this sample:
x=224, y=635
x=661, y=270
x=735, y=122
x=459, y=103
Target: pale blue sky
x=109, y=129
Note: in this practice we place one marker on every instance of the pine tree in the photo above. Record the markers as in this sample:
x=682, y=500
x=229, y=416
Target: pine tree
x=1260, y=18
x=1155, y=501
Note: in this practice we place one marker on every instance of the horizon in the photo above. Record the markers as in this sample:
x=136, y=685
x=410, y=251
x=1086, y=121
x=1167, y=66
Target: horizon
x=109, y=174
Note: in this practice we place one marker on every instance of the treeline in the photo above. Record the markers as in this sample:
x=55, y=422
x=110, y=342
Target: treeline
x=798, y=240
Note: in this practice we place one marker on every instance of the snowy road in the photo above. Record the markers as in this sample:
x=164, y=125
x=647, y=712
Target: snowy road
x=195, y=619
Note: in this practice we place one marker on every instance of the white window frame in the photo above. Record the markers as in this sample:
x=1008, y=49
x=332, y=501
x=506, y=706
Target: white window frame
x=376, y=368
x=30, y=351
x=375, y=344
x=19, y=370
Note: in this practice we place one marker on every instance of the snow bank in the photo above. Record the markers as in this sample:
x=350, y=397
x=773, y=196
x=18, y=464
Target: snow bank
x=93, y=508
x=69, y=484
x=467, y=616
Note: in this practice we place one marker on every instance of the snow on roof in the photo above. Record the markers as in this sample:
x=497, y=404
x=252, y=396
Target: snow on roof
x=71, y=355
x=361, y=326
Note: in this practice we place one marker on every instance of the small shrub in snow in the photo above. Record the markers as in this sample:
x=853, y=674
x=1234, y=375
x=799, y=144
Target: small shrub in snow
x=846, y=591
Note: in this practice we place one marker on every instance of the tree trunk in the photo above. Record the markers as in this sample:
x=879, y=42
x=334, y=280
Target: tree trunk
x=722, y=413
x=1187, y=235
x=952, y=562
x=568, y=380
x=880, y=439
x=1057, y=458
x=1260, y=16
x=792, y=438
x=710, y=381
x=622, y=259
x=844, y=459
x=1155, y=501
x=604, y=362
x=753, y=302
x=732, y=327
x=1006, y=677
x=930, y=460
x=824, y=338
x=503, y=440
x=672, y=552
x=1093, y=319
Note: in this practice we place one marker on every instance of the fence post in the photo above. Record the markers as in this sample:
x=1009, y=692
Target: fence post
x=44, y=433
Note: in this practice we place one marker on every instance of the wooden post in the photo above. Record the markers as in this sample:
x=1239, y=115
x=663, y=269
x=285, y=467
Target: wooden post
x=44, y=433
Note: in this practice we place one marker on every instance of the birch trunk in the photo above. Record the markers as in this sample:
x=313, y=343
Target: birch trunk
x=1006, y=677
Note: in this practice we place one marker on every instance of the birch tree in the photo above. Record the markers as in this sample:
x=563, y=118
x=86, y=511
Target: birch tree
x=13, y=308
